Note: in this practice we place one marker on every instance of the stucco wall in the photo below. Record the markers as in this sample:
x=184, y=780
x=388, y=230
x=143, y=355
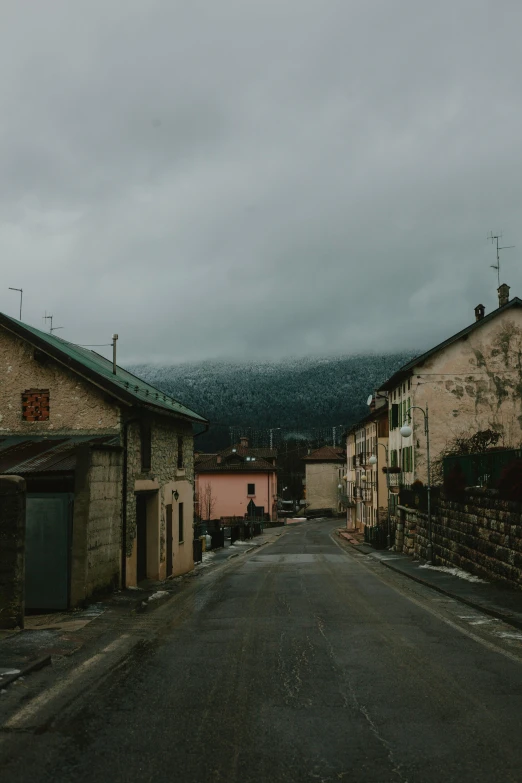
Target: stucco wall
x=75, y=405
x=163, y=478
x=322, y=479
x=474, y=384
x=230, y=492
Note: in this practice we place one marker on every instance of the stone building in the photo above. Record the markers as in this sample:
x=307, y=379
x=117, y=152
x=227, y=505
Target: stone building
x=324, y=471
x=108, y=463
x=469, y=383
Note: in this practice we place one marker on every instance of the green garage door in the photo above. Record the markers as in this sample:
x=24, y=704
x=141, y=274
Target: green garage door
x=47, y=550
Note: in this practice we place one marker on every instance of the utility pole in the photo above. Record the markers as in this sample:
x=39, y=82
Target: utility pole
x=495, y=238
x=20, y=290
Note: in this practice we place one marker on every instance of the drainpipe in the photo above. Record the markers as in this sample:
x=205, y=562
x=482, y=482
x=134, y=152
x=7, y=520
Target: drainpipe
x=124, y=502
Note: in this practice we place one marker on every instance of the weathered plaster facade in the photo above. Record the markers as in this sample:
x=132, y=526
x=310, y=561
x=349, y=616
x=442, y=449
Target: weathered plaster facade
x=472, y=384
x=322, y=484
x=366, y=484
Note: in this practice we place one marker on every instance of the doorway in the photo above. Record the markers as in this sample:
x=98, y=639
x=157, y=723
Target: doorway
x=168, y=510
x=141, y=537
x=48, y=550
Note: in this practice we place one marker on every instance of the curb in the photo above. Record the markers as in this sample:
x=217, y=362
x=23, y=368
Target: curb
x=499, y=615
x=32, y=666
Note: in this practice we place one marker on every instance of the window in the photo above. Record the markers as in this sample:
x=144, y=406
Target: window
x=394, y=416
x=393, y=459
x=181, y=463
x=146, y=446
x=35, y=405
x=180, y=522
x=251, y=489
x=407, y=459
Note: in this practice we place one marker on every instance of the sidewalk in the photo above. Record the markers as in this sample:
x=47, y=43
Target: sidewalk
x=495, y=600
x=61, y=634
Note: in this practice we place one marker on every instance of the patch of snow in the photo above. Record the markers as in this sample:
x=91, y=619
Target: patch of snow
x=454, y=572
x=8, y=672
x=241, y=543
x=134, y=588
x=158, y=594
x=509, y=635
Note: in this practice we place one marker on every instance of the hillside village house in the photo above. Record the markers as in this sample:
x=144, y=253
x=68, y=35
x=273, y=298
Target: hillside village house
x=325, y=469
x=366, y=484
x=239, y=481
x=471, y=382
x=108, y=461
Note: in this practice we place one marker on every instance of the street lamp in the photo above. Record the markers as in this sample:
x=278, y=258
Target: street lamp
x=406, y=431
x=373, y=461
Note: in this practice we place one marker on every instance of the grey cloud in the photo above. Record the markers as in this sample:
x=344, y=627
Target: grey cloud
x=254, y=180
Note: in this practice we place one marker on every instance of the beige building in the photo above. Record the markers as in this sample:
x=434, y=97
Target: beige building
x=324, y=471
x=469, y=383
x=120, y=498
x=366, y=498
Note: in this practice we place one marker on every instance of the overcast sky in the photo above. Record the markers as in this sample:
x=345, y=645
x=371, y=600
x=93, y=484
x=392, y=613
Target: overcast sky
x=258, y=178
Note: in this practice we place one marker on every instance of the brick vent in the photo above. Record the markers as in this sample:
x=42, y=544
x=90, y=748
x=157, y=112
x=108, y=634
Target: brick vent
x=35, y=405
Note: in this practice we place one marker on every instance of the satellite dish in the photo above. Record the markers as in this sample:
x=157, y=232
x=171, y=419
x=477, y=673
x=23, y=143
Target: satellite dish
x=369, y=400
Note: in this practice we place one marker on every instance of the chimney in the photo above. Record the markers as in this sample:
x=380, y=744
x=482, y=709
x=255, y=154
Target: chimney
x=243, y=442
x=503, y=295
x=480, y=312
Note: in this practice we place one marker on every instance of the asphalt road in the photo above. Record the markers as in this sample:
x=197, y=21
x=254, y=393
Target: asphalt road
x=301, y=662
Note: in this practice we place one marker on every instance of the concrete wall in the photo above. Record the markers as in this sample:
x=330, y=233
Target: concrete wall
x=12, y=543
x=161, y=481
x=474, y=384
x=75, y=405
x=322, y=479
x=230, y=492
x=96, y=544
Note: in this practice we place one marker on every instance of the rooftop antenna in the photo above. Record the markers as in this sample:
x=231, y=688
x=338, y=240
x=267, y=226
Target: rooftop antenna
x=20, y=290
x=114, y=338
x=51, y=328
x=495, y=238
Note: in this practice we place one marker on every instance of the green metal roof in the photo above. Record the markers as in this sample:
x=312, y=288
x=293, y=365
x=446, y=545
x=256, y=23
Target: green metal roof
x=97, y=368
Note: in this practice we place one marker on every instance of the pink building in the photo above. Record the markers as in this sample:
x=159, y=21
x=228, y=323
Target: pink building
x=233, y=481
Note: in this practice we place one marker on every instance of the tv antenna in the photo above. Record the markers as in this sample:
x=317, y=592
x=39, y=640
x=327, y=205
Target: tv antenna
x=51, y=328
x=495, y=238
x=21, y=292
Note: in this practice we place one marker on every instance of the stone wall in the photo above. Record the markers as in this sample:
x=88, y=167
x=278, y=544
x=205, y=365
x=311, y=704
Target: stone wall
x=12, y=543
x=104, y=524
x=96, y=543
x=480, y=534
x=75, y=405
x=163, y=477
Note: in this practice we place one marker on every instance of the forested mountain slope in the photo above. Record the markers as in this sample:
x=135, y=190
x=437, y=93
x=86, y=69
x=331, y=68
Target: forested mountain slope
x=300, y=396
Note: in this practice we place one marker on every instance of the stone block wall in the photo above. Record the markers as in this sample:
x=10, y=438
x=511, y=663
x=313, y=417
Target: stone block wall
x=12, y=547
x=104, y=520
x=480, y=534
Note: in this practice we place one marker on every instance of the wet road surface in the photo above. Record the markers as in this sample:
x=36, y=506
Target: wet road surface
x=300, y=662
